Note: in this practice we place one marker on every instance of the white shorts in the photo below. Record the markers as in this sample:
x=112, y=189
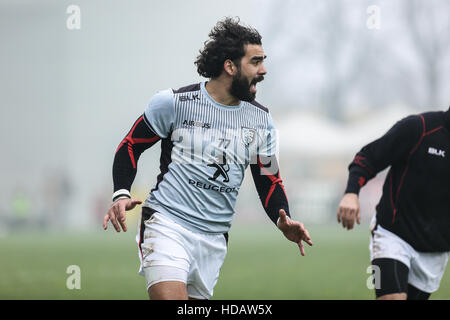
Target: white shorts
x=170, y=252
x=425, y=269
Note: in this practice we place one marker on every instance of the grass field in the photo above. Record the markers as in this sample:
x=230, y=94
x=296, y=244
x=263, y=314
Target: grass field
x=260, y=264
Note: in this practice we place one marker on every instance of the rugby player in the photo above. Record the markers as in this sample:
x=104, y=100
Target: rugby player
x=210, y=132
x=410, y=240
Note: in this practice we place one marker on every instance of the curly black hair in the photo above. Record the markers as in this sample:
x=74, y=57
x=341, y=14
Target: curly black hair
x=226, y=41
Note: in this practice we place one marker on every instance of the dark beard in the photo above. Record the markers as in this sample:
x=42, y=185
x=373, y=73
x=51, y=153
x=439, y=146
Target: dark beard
x=240, y=87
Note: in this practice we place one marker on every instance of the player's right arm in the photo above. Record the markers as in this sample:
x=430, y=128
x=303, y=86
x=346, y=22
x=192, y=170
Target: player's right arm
x=138, y=139
x=149, y=128
x=373, y=158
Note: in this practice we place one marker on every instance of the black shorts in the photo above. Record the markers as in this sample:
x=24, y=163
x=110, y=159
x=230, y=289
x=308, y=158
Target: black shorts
x=393, y=278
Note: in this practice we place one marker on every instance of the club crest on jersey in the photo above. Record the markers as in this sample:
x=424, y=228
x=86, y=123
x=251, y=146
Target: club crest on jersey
x=248, y=136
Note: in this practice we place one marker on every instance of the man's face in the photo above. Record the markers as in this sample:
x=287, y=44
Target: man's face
x=250, y=72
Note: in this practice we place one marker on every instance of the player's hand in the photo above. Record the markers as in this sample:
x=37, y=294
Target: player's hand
x=348, y=211
x=117, y=213
x=294, y=231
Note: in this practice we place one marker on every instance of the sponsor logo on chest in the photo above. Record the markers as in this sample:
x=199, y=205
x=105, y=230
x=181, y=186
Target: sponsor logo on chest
x=189, y=98
x=436, y=152
x=198, y=124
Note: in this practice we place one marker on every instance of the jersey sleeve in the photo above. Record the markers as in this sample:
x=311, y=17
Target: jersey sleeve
x=268, y=140
x=269, y=185
x=391, y=148
x=160, y=113
x=138, y=139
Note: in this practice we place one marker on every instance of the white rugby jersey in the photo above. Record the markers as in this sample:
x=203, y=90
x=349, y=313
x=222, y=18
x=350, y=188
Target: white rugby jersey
x=205, y=150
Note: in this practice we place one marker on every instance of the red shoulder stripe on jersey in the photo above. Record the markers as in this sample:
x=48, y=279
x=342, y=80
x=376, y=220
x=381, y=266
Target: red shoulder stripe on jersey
x=432, y=131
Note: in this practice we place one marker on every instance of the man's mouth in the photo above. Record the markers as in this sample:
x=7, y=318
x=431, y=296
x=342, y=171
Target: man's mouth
x=254, y=82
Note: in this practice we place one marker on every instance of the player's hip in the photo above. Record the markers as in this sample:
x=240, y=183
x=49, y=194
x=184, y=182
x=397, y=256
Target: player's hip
x=156, y=226
x=198, y=214
x=425, y=268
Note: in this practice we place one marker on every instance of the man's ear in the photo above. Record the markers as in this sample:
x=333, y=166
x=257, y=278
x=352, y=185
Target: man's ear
x=229, y=67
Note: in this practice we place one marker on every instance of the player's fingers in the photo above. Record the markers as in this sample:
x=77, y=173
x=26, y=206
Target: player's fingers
x=283, y=216
x=344, y=217
x=123, y=224
x=132, y=203
x=339, y=214
x=303, y=232
x=105, y=221
x=113, y=217
x=304, y=235
x=358, y=216
x=351, y=219
x=350, y=225
x=302, y=248
x=121, y=217
x=307, y=238
x=348, y=220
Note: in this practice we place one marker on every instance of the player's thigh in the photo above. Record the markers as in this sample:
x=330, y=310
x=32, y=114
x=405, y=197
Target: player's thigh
x=165, y=259
x=391, y=258
x=391, y=280
x=426, y=271
x=168, y=290
x=417, y=294
x=165, y=282
x=393, y=296
x=206, y=265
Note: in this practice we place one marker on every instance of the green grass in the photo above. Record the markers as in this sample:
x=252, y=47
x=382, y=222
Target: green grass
x=260, y=264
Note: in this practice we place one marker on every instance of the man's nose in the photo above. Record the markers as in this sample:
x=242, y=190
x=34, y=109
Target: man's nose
x=262, y=70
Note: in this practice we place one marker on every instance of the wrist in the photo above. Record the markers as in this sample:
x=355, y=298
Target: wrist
x=351, y=195
x=355, y=182
x=121, y=194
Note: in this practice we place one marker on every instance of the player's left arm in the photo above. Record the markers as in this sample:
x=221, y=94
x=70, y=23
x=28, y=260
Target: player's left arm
x=266, y=175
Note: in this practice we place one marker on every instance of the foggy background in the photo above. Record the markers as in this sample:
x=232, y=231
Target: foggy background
x=340, y=74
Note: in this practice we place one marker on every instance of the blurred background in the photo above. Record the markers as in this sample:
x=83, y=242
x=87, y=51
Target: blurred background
x=75, y=75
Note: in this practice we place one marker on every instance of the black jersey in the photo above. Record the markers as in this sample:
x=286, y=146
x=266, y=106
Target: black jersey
x=415, y=204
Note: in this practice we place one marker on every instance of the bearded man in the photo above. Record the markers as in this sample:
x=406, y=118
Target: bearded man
x=210, y=132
